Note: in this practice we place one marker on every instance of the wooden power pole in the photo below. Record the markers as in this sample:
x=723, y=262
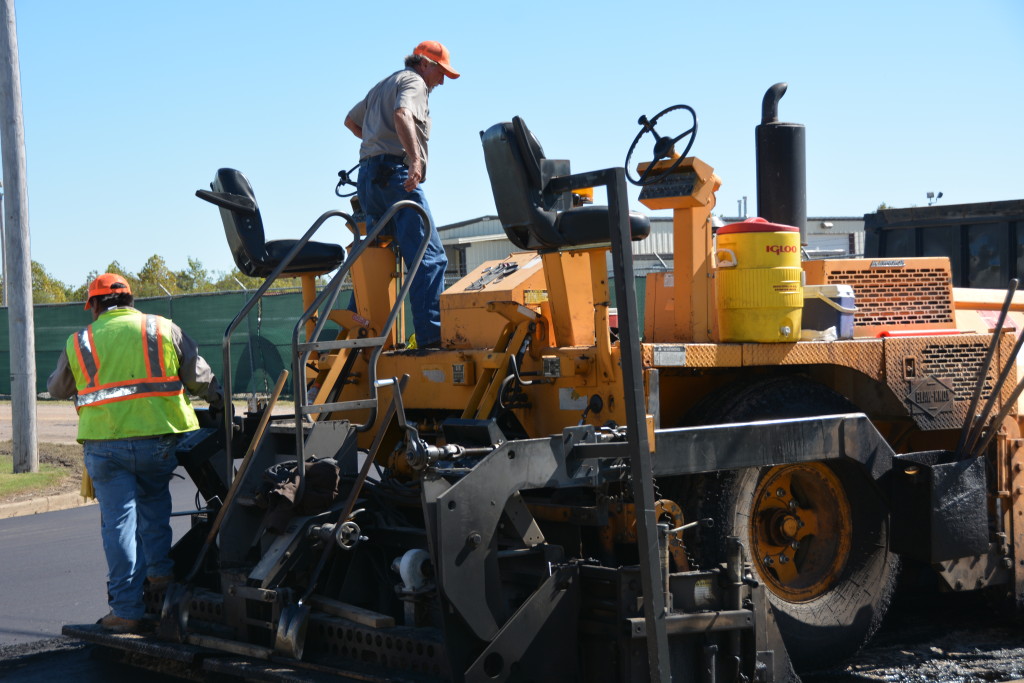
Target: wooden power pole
x=18, y=273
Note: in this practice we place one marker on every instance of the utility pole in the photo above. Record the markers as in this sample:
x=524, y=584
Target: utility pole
x=3, y=249
x=18, y=275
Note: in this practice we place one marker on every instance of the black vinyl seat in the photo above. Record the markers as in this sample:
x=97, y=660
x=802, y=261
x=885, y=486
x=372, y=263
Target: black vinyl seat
x=243, y=226
x=533, y=218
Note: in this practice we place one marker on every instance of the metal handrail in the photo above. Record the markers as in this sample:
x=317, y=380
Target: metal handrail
x=329, y=295
x=253, y=300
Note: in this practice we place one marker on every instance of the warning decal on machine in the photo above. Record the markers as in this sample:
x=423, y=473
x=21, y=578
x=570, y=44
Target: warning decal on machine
x=570, y=399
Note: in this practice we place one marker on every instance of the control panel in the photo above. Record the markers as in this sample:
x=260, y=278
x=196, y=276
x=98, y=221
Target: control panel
x=691, y=184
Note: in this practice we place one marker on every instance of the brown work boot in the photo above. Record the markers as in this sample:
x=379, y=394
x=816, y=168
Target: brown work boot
x=116, y=624
x=158, y=582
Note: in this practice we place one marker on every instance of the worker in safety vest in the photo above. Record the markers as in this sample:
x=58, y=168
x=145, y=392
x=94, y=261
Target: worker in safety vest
x=128, y=372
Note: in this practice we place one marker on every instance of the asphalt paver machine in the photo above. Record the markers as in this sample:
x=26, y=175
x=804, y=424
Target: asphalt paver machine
x=559, y=495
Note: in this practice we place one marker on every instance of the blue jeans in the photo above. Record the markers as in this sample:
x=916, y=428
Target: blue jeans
x=380, y=186
x=132, y=481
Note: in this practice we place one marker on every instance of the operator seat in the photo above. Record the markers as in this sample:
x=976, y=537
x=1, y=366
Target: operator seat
x=243, y=226
x=532, y=218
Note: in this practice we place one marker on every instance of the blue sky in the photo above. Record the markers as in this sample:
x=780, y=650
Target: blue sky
x=130, y=107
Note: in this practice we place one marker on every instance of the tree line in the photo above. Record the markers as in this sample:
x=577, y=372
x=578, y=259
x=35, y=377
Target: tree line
x=155, y=278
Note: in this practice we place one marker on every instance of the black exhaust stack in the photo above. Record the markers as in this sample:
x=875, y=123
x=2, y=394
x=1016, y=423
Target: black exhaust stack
x=781, y=166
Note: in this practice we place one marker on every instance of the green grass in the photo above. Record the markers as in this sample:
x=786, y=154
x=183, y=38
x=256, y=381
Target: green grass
x=48, y=476
x=60, y=471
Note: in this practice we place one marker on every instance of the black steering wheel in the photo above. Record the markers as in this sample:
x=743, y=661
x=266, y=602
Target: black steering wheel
x=664, y=147
x=346, y=178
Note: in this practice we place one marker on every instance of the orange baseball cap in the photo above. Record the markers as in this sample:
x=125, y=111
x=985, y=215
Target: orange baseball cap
x=108, y=283
x=431, y=49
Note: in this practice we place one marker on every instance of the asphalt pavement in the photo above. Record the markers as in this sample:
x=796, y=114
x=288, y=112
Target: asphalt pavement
x=54, y=571
x=64, y=659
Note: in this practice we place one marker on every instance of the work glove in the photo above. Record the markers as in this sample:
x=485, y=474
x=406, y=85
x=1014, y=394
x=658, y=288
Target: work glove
x=217, y=409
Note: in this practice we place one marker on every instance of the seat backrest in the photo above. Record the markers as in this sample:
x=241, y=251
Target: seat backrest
x=533, y=218
x=243, y=225
x=513, y=157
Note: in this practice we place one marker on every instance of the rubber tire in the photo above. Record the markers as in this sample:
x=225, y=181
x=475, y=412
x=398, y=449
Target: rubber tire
x=834, y=625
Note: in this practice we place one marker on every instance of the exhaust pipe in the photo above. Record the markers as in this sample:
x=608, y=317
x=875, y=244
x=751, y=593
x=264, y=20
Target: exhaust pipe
x=781, y=166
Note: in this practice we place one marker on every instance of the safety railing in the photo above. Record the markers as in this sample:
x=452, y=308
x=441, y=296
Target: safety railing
x=324, y=302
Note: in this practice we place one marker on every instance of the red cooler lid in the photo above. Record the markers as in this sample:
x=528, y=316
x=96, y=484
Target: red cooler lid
x=756, y=225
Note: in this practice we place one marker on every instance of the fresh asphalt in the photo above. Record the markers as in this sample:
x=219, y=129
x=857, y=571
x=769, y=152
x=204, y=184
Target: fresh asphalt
x=54, y=572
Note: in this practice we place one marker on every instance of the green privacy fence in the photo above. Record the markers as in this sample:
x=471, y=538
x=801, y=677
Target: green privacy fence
x=260, y=346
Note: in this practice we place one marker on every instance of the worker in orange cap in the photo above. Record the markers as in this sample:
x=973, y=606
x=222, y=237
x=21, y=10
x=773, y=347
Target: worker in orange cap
x=393, y=121
x=128, y=373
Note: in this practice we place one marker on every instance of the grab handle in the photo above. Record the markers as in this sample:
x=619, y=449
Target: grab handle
x=838, y=307
x=726, y=263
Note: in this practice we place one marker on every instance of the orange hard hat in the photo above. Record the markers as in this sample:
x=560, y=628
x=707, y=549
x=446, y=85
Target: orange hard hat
x=433, y=50
x=108, y=283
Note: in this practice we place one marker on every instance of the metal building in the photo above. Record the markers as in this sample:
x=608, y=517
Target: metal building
x=472, y=242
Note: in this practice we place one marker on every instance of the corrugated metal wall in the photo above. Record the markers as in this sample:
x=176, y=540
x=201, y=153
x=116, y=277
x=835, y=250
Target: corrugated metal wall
x=829, y=234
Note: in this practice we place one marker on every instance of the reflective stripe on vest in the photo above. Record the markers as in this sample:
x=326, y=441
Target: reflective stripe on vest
x=87, y=358
x=154, y=353
x=155, y=384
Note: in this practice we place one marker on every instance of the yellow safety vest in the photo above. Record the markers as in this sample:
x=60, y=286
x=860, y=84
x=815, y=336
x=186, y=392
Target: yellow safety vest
x=126, y=373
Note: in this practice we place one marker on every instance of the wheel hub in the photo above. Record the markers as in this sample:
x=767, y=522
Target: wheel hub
x=783, y=527
x=801, y=530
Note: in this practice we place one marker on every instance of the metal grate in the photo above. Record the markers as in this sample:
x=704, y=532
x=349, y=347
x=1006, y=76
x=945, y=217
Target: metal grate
x=395, y=649
x=897, y=297
x=953, y=361
x=957, y=363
